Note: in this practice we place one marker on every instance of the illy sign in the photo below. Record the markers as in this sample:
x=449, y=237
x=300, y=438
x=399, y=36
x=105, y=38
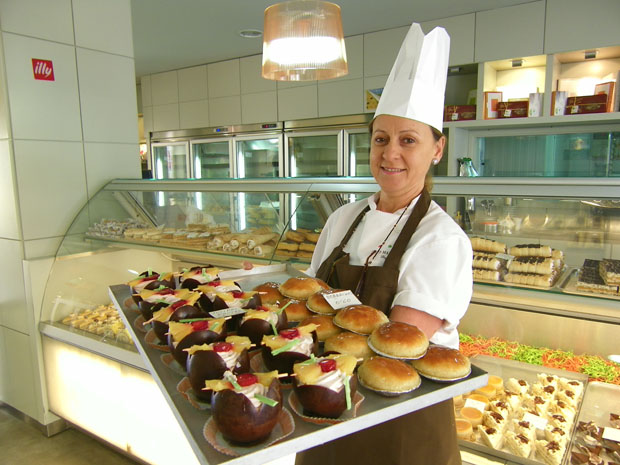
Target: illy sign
x=43, y=69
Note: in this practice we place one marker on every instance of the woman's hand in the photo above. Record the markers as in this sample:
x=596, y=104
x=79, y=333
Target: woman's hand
x=429, y=324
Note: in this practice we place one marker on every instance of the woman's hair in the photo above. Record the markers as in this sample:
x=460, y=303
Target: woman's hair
x=437, y=134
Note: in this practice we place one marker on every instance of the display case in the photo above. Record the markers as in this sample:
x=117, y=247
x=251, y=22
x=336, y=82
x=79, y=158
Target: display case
x=131, y=226
x=166, y=224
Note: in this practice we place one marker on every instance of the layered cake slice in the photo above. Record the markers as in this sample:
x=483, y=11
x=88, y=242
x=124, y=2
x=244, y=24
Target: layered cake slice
x=519, y=444
x=590, y=279
x=550, y=452
x=491, y=437
x=610, y=271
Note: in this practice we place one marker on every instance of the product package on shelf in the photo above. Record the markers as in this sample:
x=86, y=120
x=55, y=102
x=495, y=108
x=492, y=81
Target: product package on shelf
x=516, y=109
x=459, y=112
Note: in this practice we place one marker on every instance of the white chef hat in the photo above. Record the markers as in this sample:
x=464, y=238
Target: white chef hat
x=416, y=86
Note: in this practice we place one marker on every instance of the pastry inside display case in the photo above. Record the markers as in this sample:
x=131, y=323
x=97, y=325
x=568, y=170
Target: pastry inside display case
x=547, y=244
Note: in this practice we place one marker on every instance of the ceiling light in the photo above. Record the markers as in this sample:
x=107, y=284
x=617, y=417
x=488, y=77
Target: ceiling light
x=303, y=41
x=518, y=62
x=250, y=33
x=589, y=54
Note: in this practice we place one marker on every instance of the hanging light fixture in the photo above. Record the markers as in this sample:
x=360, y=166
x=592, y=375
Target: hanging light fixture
x=303, y=41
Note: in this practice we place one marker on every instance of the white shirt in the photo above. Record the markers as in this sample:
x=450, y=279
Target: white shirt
x=435, y=270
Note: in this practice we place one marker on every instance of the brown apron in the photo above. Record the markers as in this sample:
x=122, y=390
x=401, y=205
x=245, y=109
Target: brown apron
x=426, y=437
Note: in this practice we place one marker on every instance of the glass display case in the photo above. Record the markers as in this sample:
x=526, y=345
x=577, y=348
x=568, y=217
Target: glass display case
x=132, y=226
x=164, y=223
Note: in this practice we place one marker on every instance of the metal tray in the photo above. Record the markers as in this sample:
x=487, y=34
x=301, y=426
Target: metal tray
x=513, y=369
x=560, y=278
x=374, y=410
x=600, y=399
x=569, y=286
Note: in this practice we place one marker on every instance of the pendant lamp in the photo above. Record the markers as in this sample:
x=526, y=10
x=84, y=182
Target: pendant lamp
x=303, y=41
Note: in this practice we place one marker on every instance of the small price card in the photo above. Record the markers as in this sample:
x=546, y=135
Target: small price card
x=507, y=113
x=226, y=312
x=538, y=422
x=612, y=434
x=343, y=299
x=473, y=403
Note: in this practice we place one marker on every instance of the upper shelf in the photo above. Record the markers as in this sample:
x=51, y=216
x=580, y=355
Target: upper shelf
x=537, y=122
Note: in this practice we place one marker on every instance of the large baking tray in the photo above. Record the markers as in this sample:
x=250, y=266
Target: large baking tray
x=374, y=409
x=513, y=369
x=569, y=286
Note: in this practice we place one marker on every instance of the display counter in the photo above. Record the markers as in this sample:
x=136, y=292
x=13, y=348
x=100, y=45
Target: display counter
x=131, y=226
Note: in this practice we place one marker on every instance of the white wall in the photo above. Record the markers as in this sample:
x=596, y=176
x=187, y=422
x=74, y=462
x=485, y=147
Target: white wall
x=60, y=142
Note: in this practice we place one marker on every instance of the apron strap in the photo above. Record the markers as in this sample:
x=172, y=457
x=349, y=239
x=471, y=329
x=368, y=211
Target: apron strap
x=399, y=247
x=325, y=270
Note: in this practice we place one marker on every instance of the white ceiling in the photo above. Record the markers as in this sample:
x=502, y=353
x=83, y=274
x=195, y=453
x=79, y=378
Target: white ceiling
x=173, y=34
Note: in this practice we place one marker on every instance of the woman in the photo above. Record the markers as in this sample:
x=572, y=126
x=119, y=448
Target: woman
x=421, y=275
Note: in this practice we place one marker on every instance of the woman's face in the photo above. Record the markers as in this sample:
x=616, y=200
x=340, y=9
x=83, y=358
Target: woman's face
x=401, y=152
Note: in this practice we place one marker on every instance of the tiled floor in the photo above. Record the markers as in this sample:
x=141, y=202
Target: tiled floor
x=22, y=444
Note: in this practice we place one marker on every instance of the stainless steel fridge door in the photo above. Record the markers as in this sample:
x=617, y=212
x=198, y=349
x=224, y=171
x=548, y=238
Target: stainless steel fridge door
x=259, y=155
x=357, y=152
x=212, y=158
x=170, y=160
x=313, y=153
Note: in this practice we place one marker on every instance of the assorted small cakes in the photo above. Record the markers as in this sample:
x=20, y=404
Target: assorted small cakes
x=296, y=310
x=550, y=452
x=350, y=343
x=269, y=293
x=388, y=376
x=473, y=415
x=491, y=436
x=318, y=304
x=211, y=361
x=184, y=335
x=325, y=386
x=519, y=444
x=518, y=386
x=282, y=351
x=398, y=340
x=464, y=430
x=325, y=326
x=360, y=319
x=443, y=364
x=301, y=288
x=246, y=407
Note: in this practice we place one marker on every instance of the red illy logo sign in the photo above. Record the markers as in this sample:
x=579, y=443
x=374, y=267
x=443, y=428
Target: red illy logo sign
x=43, y=69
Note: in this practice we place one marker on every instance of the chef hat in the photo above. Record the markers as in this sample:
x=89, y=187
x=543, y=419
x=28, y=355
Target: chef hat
x=416, y=85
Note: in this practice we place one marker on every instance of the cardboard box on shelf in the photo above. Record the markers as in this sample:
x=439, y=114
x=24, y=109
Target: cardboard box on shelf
x=586, y=104
x=491, y=100
x=536, y=103
x=586, y=108
x=607, y=88
x=516, y=109
x=459, y=112
x=558, y=102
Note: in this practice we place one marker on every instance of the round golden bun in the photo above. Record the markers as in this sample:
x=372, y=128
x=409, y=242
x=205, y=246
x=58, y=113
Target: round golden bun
x=269, y=293
x=388, y=375
x=296, y=310
x=316, y=302
x=360, y=319
x=349, y=343
x=302, y=288
x=326, y=327
x=442, y=363
x=398, y=339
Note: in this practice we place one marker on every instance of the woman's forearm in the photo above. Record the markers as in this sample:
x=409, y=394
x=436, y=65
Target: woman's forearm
x=427, y=323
